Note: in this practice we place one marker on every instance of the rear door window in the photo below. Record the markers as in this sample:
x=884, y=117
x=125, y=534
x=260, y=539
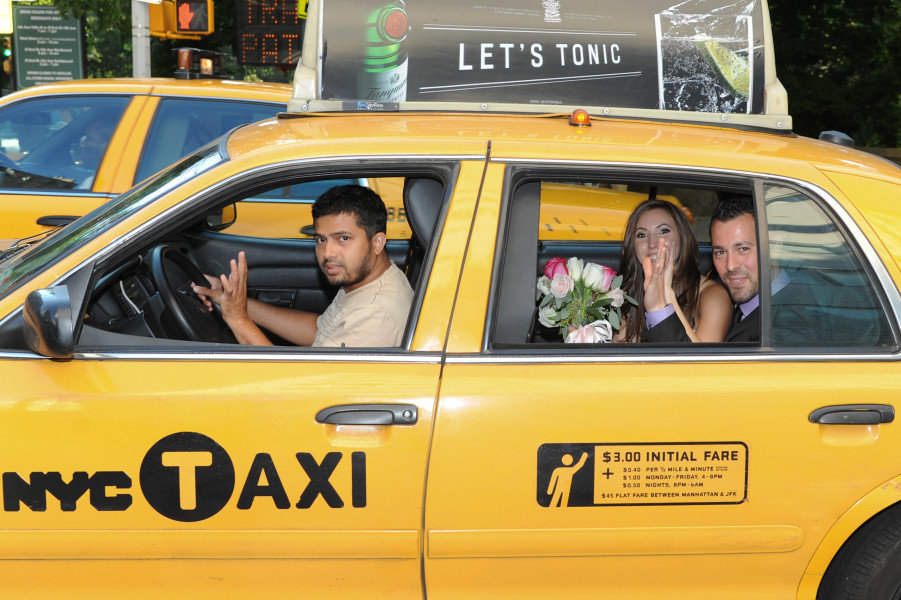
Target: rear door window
x=821, y=293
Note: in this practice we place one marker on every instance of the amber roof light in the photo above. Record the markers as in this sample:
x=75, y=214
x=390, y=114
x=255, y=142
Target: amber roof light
x=580, y=118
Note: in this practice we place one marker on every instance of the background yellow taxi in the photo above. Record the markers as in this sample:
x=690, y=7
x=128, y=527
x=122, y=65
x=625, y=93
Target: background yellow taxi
x=145, y=453
x=68, y=147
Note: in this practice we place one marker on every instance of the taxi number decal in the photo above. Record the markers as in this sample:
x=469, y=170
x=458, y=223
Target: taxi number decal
x=400, y=215
x=638, y=474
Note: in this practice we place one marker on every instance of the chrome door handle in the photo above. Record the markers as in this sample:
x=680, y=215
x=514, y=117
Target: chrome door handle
x=369, y=414
x=853, y=414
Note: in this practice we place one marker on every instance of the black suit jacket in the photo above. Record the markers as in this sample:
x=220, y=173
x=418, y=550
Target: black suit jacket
x=671, y=330
x=798, y=320
x=804, y=314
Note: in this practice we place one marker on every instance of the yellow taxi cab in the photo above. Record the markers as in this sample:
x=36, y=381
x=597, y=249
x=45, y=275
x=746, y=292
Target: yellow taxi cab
x=145, y=453
x=68, y=147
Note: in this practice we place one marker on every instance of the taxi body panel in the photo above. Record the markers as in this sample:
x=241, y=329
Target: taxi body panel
x=329, y=536
x=463, y=501
x=871, y=195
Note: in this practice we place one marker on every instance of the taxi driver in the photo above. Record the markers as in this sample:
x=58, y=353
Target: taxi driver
x=370, y=309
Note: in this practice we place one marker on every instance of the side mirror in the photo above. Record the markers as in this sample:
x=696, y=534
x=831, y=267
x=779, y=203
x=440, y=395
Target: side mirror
x=222, y=219
x=49, y=328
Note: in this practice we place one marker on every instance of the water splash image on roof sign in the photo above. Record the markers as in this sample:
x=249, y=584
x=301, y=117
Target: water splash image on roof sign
x=706, y=56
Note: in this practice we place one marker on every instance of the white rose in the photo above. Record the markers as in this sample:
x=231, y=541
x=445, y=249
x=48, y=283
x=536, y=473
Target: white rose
x=547, y=315
x=617, y=296
x=574, y=266
x=593, y=333
x=544, y=285
x=593, y=275
x=561, y=285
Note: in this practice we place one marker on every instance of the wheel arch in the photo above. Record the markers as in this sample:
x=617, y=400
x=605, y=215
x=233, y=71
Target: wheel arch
x=885, y=497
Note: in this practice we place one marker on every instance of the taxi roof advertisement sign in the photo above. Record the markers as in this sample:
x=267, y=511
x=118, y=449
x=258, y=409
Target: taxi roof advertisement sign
x=698, y=55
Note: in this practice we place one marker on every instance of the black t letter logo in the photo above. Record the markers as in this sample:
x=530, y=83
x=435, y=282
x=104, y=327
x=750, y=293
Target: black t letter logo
x=187, y=477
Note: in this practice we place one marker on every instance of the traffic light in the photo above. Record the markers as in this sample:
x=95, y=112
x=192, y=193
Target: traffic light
x=181, y=19
x=194, y=16
x=7, y=54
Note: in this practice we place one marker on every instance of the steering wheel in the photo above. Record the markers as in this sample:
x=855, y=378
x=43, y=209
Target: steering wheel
x=173, y=273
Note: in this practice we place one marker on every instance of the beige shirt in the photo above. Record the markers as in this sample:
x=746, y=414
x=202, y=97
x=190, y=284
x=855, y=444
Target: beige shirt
x=374, y=315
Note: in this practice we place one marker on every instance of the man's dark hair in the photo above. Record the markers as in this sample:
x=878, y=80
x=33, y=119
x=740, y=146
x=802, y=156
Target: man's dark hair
x=362, y=202
x=732, y=206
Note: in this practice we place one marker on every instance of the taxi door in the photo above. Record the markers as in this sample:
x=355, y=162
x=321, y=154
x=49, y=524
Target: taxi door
x=636, y=472
x=238, y=474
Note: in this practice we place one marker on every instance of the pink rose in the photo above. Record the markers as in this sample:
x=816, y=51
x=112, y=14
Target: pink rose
x=561, y=285
x=609, y=274
x=554, y=266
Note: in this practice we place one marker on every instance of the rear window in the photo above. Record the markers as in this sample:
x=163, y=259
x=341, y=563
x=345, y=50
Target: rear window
x=182, y=125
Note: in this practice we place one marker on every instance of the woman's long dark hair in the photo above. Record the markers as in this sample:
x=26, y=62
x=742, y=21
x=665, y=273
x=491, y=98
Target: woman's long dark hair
x=686, y=275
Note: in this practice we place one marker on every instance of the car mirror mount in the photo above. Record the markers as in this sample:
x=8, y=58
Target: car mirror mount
x=49, y=327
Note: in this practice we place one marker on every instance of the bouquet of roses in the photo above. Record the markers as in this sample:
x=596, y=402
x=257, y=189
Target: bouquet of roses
x=583, y=296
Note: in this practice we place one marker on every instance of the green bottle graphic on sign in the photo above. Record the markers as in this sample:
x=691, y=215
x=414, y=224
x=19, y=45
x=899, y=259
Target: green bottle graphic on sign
x=383, y=76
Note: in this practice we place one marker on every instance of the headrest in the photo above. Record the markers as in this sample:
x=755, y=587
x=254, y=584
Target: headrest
x=422, y=203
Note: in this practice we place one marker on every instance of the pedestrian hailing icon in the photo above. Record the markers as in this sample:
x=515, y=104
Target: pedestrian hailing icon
x=562, y=478
x=565, y=475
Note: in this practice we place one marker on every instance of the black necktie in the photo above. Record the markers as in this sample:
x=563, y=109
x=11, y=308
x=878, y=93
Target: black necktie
x=736, y=317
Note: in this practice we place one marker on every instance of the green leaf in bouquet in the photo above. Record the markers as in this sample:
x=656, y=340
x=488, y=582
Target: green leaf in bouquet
x=559, y=302
x=601, y=303
x=617, y=282
x=630, y=299
x=613, y=319
x=563, y=314
x=545, y=301
x=596, y=314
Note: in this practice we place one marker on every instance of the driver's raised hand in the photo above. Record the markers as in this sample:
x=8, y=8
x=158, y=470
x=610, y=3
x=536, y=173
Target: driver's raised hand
x=208, y=295
x=230, y=293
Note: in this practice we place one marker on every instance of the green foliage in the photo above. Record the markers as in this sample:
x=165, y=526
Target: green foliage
x=107, y=34
x=837, y=60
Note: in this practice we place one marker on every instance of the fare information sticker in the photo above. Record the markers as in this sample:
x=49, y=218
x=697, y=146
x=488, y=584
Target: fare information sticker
x=654, y=473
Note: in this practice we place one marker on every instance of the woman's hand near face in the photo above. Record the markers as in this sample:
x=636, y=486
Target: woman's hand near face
x=714, y=305
x=658, y=279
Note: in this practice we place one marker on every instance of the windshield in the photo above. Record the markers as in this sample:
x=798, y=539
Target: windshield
x=18, y=268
